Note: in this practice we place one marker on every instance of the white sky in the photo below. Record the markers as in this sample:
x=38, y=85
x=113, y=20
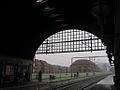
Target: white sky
x=64, y=59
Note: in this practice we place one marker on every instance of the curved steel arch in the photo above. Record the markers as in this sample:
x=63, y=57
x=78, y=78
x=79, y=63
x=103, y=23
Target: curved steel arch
x=72, y=40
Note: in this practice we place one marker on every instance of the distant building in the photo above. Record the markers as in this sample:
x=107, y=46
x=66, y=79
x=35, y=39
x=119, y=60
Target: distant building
x=40, y=65
x=84, y=66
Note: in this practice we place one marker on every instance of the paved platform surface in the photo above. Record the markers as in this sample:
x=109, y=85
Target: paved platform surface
x=107, y=80
x=105, y=84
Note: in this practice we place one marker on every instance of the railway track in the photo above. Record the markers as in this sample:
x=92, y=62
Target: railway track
x=76, y=85
x=72, y=84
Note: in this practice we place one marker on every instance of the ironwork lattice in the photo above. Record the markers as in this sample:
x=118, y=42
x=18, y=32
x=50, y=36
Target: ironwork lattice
x=70, y=41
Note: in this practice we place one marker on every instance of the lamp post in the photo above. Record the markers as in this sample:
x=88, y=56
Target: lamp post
x=60, y=72
x=92, y=65
x=71, y=67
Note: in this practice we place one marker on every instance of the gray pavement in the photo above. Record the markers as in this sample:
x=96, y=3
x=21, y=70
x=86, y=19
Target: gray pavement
x=105, y=84
x=107, y=80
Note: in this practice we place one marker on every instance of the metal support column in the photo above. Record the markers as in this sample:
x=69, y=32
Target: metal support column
x=117, y=48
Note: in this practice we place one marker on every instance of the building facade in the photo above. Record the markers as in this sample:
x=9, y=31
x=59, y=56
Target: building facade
x=14, y=70
x=40, y=65
x=82, y=66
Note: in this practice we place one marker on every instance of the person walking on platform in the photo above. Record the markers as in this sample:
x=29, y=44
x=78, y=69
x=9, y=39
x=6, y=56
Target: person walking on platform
x=77, y=74
x=40, y=75
x=27, y=78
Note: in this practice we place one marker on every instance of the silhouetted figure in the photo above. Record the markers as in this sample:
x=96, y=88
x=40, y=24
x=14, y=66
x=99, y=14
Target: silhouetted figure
x=86, y=73
x=27, y=76
x=1, y=78
x=21, y=76
x=77, y=74
x=50, y=77
x=40, y=76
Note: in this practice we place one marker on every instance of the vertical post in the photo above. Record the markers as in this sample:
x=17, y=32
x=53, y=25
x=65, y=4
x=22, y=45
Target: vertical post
x=73, y=40
x=117, y=66
x=60, y=72
x=62, y=41
x=71, y=67
x=66, y=72
x=91, y=43
x=90, y=69
x=46, y=46
x=49, y=73
x=94, y=65
x=117, y=47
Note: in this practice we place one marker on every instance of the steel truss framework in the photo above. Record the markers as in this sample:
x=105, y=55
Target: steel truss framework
x=70, y=41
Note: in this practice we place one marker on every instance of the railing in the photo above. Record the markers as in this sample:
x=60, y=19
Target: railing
x=64, y=76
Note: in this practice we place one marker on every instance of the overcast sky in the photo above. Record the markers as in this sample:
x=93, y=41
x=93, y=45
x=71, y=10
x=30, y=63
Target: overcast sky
x=64, y=59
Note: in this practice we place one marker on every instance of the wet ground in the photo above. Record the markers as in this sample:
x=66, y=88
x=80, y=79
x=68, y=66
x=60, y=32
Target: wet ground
x=105, y=84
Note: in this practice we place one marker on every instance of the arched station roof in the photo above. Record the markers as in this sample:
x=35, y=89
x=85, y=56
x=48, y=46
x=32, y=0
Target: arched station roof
x=25, y=26
x=72, y=40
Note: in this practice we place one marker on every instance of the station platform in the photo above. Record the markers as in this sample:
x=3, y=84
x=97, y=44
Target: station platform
x=105, y=84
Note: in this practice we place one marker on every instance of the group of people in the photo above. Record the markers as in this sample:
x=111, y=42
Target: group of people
x=18, y=77
x=76, y=75
x=51, y=77
x=1, y=78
